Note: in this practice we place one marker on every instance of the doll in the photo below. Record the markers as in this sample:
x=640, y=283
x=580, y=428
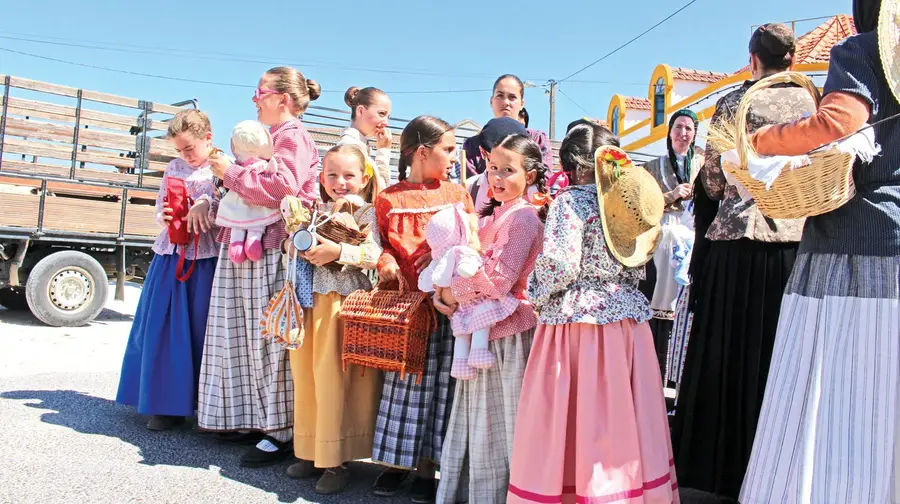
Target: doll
x=251, y=144
x=448, y=233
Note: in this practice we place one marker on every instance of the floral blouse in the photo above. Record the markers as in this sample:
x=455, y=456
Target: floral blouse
x=354, y=258
x=737, y=218
x=200, y=186
x=576, y=279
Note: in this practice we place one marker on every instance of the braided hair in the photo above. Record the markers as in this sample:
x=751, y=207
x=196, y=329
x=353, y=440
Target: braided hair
x=422, y=131
x=532, y=160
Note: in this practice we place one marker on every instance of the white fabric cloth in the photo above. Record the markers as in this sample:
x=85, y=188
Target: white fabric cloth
x=235, y=212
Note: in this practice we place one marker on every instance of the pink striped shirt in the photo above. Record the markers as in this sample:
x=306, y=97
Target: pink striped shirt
x=297, y=161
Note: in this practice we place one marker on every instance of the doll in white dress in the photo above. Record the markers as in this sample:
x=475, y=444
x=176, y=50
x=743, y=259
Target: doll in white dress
x=251, y=144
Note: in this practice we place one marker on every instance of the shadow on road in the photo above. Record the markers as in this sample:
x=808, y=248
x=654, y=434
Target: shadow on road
x=183, y=447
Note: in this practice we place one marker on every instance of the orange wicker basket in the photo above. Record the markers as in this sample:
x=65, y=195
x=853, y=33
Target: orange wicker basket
x=387, y=329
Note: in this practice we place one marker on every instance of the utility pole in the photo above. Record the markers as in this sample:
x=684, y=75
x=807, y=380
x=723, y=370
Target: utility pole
x=553, y=85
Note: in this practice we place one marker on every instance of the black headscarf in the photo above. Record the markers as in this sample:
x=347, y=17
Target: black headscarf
x=865, y=15
x=683, y=174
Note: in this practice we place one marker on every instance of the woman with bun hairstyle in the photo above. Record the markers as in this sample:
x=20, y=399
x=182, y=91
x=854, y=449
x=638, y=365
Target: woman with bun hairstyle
x=370, y=110
x=738, y=299
x=245, y=379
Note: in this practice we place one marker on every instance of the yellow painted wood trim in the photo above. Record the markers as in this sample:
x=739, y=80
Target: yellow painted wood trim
x=617, y=100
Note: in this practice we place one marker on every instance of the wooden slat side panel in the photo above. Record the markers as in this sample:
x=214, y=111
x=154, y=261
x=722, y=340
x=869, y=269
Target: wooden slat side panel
x=161, y=147
x=157, y=166
x=19, y=210
x=110, y=99
x=39, y=106
x=82, y=216
x=166, y=109
x=88, y=174
x=40, y=131
x=140, y=220
x=45, y=87
x=57, y=151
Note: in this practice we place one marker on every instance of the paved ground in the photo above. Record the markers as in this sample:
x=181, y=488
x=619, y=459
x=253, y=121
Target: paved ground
x=65, y=440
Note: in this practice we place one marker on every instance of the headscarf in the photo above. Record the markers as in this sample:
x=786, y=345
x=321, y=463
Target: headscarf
x=865, y=15
x=683, y=174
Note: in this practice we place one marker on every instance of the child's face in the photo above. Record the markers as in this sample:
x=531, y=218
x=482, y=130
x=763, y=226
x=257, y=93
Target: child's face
x=374, y=117
x=342, y=175
x=506, y=174
x=270, y=105
x=439, y=160
x=194, y=150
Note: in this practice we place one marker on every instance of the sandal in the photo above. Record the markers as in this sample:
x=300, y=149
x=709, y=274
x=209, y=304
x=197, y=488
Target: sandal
x=388, y=482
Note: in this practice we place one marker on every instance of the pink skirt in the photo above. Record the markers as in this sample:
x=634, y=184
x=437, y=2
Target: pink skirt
x=591, y=426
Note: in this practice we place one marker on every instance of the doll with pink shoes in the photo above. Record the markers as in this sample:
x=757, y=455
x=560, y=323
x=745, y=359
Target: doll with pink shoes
x=251, y=145
x=449, y=233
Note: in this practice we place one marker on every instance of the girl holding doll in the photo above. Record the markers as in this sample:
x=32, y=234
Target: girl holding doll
x=591, y=424
x=336, y=422
x=484, y=409
x=161, y=366
x=245, y=381
x=412, y=417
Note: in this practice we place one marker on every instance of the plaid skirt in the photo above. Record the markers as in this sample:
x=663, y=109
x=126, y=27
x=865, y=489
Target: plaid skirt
x=412, y=418
x=245, y=380
x=479, y=439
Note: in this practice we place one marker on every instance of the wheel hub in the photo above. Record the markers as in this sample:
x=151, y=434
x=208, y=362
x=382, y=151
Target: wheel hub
x=71, y=289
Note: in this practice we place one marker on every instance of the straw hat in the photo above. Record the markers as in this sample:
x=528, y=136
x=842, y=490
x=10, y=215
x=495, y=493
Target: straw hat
x=631, y=206
x=889, y=43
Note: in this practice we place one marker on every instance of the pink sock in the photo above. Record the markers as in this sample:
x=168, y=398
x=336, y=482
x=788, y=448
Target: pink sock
x=254, y=249
x=236, y=252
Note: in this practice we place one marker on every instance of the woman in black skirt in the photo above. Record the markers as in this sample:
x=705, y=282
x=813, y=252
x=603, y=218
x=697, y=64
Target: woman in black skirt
x=738, y=297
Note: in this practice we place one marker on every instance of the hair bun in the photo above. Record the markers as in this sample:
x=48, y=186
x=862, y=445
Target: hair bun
x=777, y=38
x=351, y=95
x=315, y=91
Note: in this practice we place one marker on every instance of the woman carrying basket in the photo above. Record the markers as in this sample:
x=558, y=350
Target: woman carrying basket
x=738, y=300
x=828, y=425
x=412, y=419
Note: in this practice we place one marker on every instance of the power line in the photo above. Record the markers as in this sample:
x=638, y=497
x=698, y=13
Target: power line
x=573, y=101
x=648, y=30
x=214, y=83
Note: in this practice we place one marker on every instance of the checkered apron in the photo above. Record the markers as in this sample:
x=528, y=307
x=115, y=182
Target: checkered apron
x=412, y=418
x=478, y=446
x=245, y=380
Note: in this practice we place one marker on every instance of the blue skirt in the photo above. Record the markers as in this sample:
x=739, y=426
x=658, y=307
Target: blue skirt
x=161, y=367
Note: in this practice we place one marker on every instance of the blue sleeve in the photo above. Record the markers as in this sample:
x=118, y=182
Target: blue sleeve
x=855, y=68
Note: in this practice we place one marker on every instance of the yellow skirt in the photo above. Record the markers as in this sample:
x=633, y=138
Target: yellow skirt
x=334, y=410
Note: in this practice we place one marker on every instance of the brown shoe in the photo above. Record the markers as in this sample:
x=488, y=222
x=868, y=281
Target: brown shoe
x=164, y=422
x=335, y=480
x=303, y=469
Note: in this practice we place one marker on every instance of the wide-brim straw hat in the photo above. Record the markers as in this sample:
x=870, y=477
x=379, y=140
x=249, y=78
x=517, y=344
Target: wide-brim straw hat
x=889, y=43
x=631, y=207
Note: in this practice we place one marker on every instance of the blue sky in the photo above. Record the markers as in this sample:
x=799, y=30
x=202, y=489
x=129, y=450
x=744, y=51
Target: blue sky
x=416, y=45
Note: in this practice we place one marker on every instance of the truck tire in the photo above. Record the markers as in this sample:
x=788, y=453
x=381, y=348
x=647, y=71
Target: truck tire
x=13, y=298
x=67, y=289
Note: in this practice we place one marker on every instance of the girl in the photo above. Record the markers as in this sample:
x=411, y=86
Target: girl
x=370, y=109
x=484, y=409
x=412, y=418
x=337, y=421
x=162, y=360
x=245, y=382
x=591, y=424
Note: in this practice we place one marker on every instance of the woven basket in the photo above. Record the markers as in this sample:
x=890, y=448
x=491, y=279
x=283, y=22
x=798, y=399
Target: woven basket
x=387, y=329
x=338, y=232
x=822, y=186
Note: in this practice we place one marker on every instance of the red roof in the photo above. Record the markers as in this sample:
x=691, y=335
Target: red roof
x=697, y=75
x=635, y=103
x=815, y=46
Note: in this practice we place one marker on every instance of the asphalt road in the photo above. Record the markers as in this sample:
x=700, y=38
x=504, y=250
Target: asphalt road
x=65, y=440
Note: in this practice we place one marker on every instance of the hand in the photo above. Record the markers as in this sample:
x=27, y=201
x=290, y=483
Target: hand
x=167, y=213
x=441, y=307
x=446, y=296
x=219, y=164
x=389, y=272
x=323, y=253
x=423, y=262
x=198, y=218
x=682, y=191
x=383, y=138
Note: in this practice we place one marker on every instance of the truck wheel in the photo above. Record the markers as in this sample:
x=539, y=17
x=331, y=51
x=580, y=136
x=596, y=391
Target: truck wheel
x=13, y=298
x=66, y=289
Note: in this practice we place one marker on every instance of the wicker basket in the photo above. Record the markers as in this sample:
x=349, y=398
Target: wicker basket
x=337, y=231
x=822, y=186
x=387, y=329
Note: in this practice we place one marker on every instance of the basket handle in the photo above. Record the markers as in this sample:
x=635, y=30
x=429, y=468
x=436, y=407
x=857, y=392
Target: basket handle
x=742, y=136
x=401, y=280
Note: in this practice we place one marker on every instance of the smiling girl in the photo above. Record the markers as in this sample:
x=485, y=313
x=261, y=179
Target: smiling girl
x=370, y=110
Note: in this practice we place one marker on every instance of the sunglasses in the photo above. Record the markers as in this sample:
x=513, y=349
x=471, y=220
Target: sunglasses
x=260, y=92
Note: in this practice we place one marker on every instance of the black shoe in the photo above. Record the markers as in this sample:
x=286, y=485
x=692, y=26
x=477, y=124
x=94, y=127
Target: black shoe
x=423, y=490
x=240, y=437
x=388, y=482
x=164, y=422
x=260, y=458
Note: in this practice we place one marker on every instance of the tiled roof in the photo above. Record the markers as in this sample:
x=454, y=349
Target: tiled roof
x=815, y=46
x=635, y=103
x=697, y=75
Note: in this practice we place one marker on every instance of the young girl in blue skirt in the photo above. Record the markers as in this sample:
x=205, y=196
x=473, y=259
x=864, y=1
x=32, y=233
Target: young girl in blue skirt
x=161, y=367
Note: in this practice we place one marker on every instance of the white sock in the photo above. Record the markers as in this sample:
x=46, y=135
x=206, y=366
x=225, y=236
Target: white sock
x=266, y=446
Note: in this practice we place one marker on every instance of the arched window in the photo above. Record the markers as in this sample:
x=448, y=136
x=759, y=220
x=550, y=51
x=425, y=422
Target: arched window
x=614, y=125
x=659, y=103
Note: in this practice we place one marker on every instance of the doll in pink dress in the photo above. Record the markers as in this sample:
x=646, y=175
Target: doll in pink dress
x=251, y=144
x=448, y=235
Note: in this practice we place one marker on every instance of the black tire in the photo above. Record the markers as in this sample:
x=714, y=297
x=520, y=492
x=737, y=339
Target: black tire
x=13, y=298
x=67, y=289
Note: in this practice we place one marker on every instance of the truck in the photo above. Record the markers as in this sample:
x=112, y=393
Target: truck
x=79, y=174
